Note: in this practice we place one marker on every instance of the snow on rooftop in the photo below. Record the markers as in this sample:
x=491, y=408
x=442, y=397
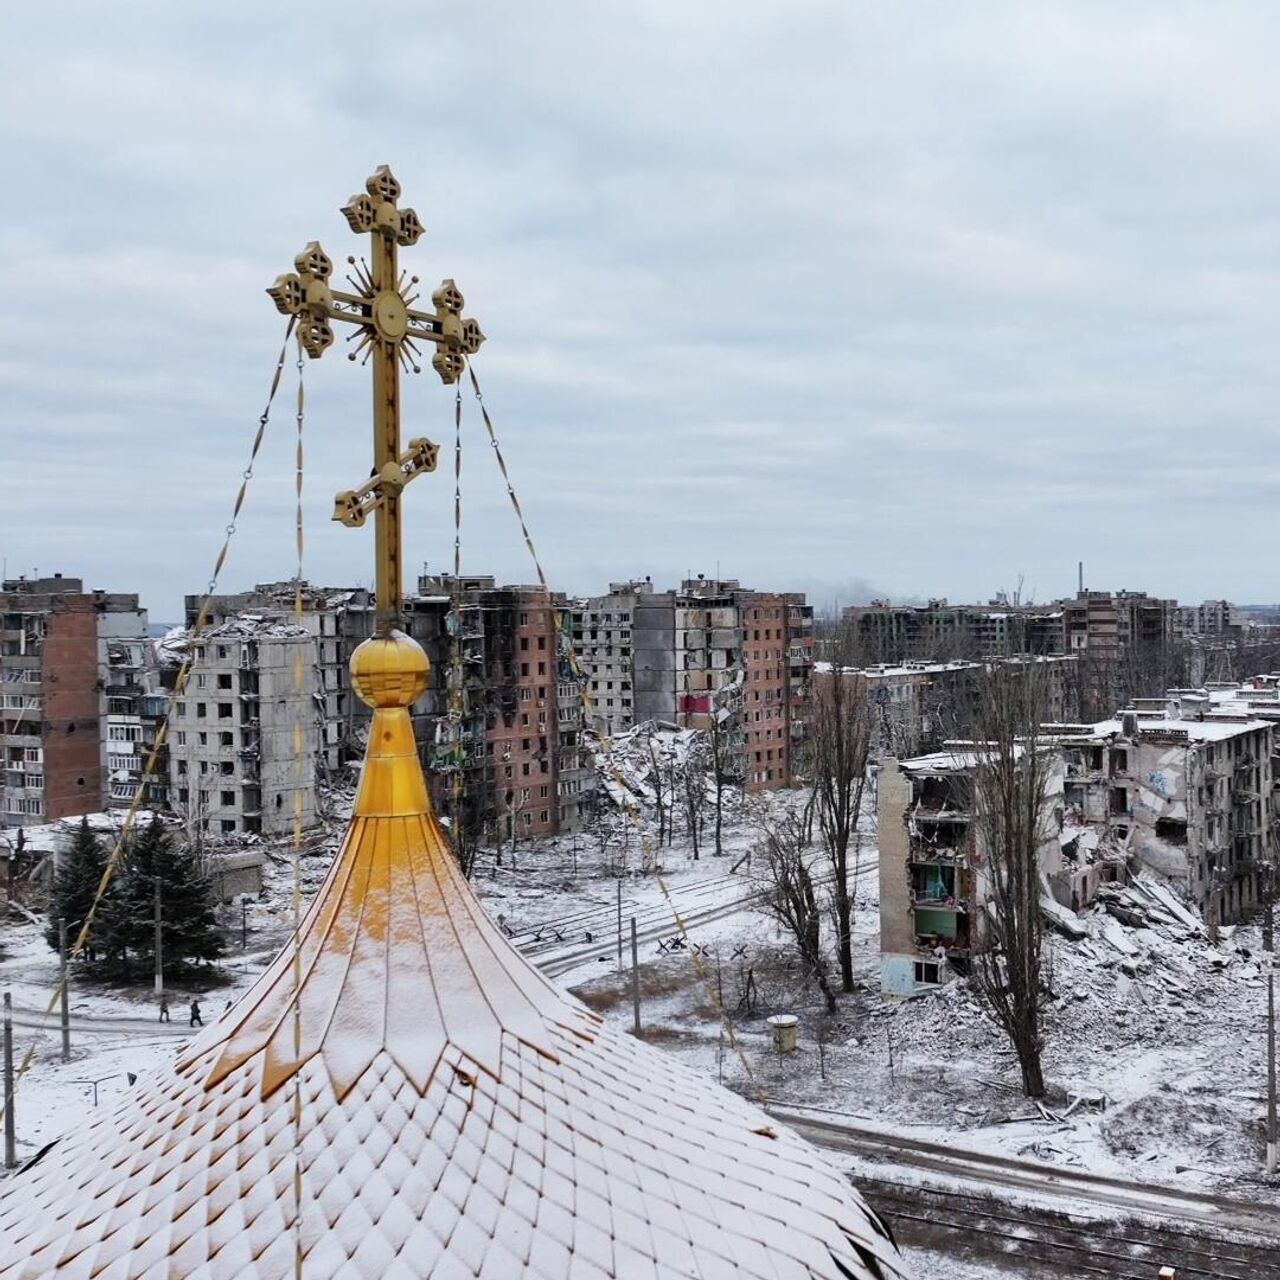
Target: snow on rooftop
x=1195, y=730
x=54, y=837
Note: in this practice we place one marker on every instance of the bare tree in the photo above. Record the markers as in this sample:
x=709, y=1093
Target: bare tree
x=1010, y=785
x=674, y=788
x=841, y=722
x=660, y=797
x=790, y=898
x=718, y=766
x=694, y=780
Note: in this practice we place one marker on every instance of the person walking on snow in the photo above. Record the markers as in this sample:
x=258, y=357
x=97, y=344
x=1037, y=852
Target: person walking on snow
x=196, y=1020
x=164, y=1008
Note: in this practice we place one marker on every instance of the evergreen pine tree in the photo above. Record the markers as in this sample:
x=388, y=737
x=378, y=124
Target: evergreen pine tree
x=189, y=927
x=76, y=884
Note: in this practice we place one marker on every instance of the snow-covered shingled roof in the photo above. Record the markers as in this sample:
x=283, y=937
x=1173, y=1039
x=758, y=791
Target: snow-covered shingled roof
x=460, y=1116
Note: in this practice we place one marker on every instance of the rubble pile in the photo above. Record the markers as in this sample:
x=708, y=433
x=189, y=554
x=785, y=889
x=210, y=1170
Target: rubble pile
x=1139, y=969
x=625, y=763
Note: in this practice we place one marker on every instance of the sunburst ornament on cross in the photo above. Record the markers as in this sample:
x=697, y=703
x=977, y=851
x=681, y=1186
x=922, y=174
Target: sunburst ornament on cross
x=389, y=331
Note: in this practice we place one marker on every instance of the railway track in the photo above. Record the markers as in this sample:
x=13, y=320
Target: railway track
x=1068, y=1221
x=551, y=946
x=1062, y=1243
x=654, y=922
x=600, y=918
x=1146, y=1199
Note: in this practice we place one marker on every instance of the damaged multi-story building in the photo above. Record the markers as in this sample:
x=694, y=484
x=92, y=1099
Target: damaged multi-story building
x=711, y=655
x=885, y=633
x=79, y=700
x=506, y=751
x=933, y=867
x=1186, y=791
x=916, y=707
x=510, y=744
x=1128, y=643
x=1125, y=643
x=244, y=731
x=625, y=646
x=340, y=618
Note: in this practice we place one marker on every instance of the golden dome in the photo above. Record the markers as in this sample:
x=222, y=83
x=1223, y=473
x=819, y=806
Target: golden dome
x=390, y=670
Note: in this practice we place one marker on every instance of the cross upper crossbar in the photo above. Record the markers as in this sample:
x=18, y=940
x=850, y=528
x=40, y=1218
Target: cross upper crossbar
x=389, y=330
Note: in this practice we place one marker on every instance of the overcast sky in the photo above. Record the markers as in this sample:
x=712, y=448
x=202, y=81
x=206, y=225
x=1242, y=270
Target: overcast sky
x=913, y=298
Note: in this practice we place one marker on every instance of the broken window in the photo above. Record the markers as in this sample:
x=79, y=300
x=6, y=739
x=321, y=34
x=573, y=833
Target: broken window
x=927, y=972
x=933, y=882
x=1172, y=830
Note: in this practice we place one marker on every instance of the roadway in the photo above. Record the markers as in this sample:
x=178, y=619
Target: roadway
x=983, y=1171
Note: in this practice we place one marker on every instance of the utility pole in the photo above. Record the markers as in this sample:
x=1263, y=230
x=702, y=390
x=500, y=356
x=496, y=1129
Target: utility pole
x=619, y=924
x=244, y=922
x=1269, y=944
x=65, y=994
x=159, y=944
x=635, y=977
x=1271, y=1069
x=10, y=1130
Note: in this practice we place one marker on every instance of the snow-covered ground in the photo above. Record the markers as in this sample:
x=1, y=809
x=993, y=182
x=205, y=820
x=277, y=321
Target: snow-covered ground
x=1162, y=1025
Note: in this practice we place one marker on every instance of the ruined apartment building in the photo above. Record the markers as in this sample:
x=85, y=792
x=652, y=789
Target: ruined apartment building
x=713, y=656
x=775, y=663
x=136, y=704
x=934, y=886
x=341, y=619
x=497, y=674
x=886, y=633
x=1218, y=619
x=708, y=667
x=75, y=720
x=521, y=630
x=234, y=768
x=744, y=663
x=520, y=760
x=625, y=646
x=800, y=661
x=1124, y=641
x=917, y=706
x=1189, y=796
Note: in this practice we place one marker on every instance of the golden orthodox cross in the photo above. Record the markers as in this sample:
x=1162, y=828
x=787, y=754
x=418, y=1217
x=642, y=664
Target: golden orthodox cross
x=388, y=330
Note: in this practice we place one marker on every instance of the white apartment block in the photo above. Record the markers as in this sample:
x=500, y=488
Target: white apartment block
x=934, y=879
x=235, y=764
x=1188, y=798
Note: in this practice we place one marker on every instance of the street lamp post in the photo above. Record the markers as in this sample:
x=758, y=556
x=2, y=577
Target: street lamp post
x=1269, y=942
x=159, y=942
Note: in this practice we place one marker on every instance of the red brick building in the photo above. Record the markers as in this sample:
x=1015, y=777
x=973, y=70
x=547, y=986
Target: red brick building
x=51, y=743
x=521, y=740
x=777, y=661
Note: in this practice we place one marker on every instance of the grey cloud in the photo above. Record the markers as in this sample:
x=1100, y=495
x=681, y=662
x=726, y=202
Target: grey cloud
x=837, y=295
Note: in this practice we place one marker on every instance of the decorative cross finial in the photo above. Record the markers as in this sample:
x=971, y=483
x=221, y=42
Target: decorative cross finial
x=389, y=330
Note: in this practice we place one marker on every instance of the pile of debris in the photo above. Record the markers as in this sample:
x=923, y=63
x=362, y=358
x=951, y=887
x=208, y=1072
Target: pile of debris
x=627, y=764
x=1146, y=903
